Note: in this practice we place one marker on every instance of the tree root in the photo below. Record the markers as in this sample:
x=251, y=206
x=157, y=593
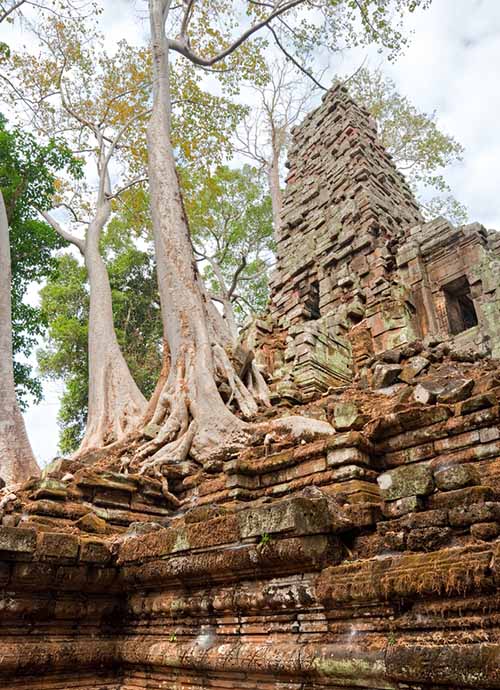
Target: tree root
x=173, y=453
x=245, y=400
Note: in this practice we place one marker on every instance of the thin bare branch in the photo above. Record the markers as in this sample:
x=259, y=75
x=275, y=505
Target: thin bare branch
x=5, y=13
x=290, y=57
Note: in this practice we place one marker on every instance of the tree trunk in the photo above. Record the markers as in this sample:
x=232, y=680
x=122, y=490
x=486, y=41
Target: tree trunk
x=191, y=412
x=17, y=461
x=116, y=405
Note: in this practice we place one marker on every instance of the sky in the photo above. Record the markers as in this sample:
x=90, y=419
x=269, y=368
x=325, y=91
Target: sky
x=451, y=67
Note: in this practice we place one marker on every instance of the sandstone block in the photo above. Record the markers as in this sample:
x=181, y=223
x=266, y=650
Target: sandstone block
x=385, y=375
x=408, y=480
x=485, y=531
x=456, y=390
x=427, y=392
x=413, y=367
x=58, y=545
x=461, y=497
x=17, y=540
x=428, y=538
x=402, y=506
x=456, y=477
x=347, y=456
x=50, y=488
x=478, y=402
x=488, y=435
x=393, y=541
x=346, y=415
x=297, y=515
x=463, y=516
x=94, y=551
x=92, y=523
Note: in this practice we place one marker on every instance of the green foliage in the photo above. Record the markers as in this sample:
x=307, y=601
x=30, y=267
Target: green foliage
x=264, y=540
x=136, y=311
x=28, y=182
x=419, y=148
x=230, y=218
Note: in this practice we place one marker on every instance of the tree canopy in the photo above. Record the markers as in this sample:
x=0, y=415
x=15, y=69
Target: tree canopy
x=230, y=218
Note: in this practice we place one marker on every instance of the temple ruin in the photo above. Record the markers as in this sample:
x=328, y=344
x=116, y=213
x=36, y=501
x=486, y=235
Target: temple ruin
x=362, y=552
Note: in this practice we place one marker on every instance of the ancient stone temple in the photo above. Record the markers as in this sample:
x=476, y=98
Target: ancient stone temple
x=359, y=550
x=359, y=271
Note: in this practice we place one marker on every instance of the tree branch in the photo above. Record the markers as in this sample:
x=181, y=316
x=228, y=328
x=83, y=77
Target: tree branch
x=5, y=13
x=182, y=46
x=236, y=274
x=186, y=18
x=297, y=64
x=133, y=182
x=64, y=233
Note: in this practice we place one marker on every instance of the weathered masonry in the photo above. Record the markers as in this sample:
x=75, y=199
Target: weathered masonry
x=360, y=551
x=359, y=271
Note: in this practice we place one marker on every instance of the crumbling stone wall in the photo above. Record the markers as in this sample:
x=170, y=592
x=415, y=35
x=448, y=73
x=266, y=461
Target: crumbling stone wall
x=358, y=271
x=361, y=550
x=364, y=553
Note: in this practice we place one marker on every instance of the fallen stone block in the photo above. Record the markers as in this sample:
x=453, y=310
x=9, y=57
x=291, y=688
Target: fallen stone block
x=92, y=523
x=427, y=392
x=385, y=375
x=346, y=416
x=413, y=367
x=456, y=390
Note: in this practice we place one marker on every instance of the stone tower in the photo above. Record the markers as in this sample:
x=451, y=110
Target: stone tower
x=346, y=208
x=358, y=270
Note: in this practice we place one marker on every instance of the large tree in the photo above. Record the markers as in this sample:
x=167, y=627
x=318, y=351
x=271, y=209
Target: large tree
x=136, y=315
x=98, y=102
x=27, y=182
x=193, y=416
x=17, y=459
x=137, y=324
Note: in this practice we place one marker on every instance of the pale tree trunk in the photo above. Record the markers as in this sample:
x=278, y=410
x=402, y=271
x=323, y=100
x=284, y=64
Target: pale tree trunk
x=17, y=461
x=116, y=405
x=191, y=412
x=225, y=299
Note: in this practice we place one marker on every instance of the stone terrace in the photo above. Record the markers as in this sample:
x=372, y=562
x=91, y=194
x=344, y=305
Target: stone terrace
x=362, y=551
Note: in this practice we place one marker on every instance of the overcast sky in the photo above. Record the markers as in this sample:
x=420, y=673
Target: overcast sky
x=452, y=67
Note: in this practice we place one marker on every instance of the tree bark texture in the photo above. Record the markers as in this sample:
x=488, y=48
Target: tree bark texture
x=116, y=405
x=191, y=413
x=17, y=461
